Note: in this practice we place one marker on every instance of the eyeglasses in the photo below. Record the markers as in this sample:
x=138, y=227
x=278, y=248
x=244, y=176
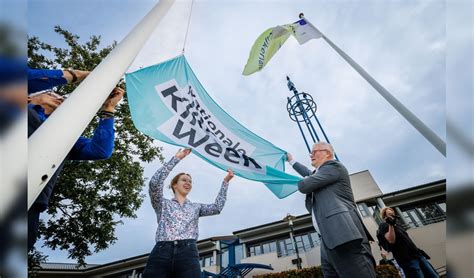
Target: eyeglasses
x=313, y=152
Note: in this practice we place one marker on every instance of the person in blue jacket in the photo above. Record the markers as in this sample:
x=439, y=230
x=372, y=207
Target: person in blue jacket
x=44, y=79
x=12, y=91
x=100, y=146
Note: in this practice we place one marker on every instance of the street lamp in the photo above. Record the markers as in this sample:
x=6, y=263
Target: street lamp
x=289, y=218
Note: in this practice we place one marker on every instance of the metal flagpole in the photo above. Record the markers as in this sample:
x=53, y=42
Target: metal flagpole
x=429, y=134
x=49, y=145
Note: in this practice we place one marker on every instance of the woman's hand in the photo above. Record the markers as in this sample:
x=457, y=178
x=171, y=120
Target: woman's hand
x=229, y=176
x=182, y=153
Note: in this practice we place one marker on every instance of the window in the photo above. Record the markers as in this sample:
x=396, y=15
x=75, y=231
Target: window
x=211, y=261
x=364, y=212
x=266, y=248
x=285, y=247
x=207, y=261
x=408, y=220
x=253, y=250
x=281, y=248
x=442, y=206
x=303, y=242
x=299, y=243
x=372, y=210
x=239, y=253
x=258, y=250
x=262, y=248
x=306, y=242
x=315, y=240
x=269, y=247
x=224, y=257
x=432, y=213
x=414, y=217
x=425, y=214
x=290, y=250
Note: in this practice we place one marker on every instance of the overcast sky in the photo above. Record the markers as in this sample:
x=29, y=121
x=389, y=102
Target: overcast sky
x=401, y=44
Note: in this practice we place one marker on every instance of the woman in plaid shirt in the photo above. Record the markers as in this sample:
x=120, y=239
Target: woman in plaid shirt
x=175, y=253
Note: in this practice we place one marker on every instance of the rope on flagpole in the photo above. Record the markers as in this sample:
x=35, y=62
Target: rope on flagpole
x=187, y=29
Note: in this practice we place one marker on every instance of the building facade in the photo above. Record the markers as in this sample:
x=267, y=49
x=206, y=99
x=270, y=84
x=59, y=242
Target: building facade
x=422, y=209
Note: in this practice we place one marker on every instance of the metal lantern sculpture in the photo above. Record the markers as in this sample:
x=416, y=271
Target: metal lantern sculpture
x=302, y=108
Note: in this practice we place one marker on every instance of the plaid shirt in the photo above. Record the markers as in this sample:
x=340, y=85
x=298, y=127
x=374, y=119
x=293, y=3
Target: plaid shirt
x=176, y=221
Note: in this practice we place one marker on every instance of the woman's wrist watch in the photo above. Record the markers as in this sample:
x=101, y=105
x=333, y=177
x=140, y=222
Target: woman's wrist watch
x=74, y=76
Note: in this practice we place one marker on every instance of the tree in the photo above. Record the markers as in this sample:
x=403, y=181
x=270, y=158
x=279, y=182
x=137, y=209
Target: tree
x=90, y=196
x=35, y=258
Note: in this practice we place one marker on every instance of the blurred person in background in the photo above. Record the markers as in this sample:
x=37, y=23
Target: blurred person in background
x=12, y=90
x=393, y=238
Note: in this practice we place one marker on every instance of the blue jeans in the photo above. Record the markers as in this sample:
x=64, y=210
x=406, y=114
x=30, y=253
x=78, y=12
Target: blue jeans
x=179, y=258
x=418, y=268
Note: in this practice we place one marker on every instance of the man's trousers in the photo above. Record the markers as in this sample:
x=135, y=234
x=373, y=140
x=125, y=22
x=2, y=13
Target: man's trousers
x=352, y=259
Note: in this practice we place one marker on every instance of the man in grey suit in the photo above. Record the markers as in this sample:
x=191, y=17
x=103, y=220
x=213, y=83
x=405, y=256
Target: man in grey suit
x=345, y=248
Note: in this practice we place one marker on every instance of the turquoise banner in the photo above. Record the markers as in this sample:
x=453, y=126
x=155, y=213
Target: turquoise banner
x=168, y=103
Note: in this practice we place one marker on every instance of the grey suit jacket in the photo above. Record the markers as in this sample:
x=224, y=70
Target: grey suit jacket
x=329, y=196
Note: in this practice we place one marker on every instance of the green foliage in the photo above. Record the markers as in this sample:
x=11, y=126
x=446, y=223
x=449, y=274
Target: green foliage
x=387, y=271
x=90, y=196
x=35, y=258
x=382, y=271
x=311, y=272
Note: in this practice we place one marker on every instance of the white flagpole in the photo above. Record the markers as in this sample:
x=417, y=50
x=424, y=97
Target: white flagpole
x=429, y=134
x=49, y=145
x=13, y=165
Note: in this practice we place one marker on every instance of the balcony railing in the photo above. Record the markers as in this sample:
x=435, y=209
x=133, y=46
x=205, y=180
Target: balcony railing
x=413, y=224
x=424, y=222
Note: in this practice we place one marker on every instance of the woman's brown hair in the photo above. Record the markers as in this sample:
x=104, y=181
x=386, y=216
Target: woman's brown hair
x=176, y=178
x=383, y=212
